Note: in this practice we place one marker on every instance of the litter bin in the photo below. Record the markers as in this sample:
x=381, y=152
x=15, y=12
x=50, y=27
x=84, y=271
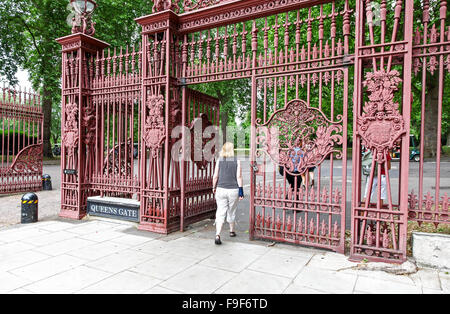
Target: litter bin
x=46, y=182
x=29, y=212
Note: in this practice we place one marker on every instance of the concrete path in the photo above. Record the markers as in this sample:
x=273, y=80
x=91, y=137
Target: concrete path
x=103, y=256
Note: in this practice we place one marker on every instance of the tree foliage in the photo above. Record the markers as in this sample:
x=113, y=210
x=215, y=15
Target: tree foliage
x=28, y=29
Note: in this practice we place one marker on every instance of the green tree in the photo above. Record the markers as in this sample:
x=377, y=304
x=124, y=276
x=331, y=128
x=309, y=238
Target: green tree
x=28, y=29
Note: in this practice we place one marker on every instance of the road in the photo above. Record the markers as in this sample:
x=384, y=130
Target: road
x=49, y=201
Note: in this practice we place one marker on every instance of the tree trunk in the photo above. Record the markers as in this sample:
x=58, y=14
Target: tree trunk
x=431, y=117
x=47, y=109
x=448, y=137
x=223, y=125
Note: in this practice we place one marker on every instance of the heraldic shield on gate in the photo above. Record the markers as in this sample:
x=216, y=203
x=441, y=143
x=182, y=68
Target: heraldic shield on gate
x=328, y=79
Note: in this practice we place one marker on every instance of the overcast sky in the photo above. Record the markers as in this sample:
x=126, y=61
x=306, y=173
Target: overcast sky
x=22, y=76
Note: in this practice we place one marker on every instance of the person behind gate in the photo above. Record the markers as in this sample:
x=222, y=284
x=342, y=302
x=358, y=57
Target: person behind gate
x=227, y=186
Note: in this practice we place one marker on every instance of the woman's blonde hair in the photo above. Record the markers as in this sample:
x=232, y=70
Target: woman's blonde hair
x=227, y=150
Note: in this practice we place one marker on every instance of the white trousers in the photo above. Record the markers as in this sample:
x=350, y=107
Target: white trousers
x=374, y=193
x=227, y=200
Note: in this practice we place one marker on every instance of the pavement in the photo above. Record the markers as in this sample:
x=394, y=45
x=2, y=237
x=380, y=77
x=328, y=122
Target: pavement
x=108, y=256
x=104, y=256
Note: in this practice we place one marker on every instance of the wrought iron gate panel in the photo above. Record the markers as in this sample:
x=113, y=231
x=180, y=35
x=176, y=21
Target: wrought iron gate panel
x=299, y=56
x=382, y=106
x=116, y=98
x=299, y=111
x=202, y=112
x=21, y=125
x=431, y=64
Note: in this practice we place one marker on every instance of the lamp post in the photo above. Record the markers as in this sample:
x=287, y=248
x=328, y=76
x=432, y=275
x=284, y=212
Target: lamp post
x=82, y=22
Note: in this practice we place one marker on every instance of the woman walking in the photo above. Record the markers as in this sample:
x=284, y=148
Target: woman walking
x=227, y=185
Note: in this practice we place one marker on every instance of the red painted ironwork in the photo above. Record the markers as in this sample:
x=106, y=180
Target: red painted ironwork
x=431, y=61
x=298, y=67
x=381, y=64
x=21, y=125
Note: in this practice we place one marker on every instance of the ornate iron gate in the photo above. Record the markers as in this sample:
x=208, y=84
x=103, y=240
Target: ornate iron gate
x=21, y=125
x=304, y=65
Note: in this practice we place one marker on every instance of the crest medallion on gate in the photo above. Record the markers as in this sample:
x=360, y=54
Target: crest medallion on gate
x=154, y=129
x=299, y=137
x=381, y=125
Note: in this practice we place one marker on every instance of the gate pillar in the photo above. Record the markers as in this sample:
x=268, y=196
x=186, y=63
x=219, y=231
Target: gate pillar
x=77, y=121
x=161, y=112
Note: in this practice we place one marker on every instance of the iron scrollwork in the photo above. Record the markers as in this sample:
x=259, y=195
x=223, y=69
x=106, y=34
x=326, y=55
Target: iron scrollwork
x=299, y=137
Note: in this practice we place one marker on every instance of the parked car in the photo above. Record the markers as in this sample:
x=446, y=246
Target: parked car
x=415, y=154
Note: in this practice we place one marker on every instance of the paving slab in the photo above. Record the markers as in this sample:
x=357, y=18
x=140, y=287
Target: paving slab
x=58, y=226
x=198, y=279
x=102, y=236
x=125, y=282
x=444, y=278
x=96, y=256
x=50, y=238
x=280, y=264
x=98, y=250
x=21, y=259
x=13, y=248
x=427, y=279
x=120, y=261
x=18, y=234
x=160, y=290
x=331, y=261
x=249, y=281
x=165, y=266
x=10, y=282
x=326, y=280
x=380, y=275
x=20, y=291
x=64, y=246
x=69, y=281
x=155, y=247
x=231, y=260
x=48, y=267
x=91, y=227
x=133, y=240
x=376, y=285
x=295, y=289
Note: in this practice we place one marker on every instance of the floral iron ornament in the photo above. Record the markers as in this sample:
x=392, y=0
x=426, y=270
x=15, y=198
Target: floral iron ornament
x=154, y=128
x=381, y=124
x=299, y=137
x=190, y=5
x=186, y=6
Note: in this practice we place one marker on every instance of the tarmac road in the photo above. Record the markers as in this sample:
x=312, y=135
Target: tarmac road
x=10, y=205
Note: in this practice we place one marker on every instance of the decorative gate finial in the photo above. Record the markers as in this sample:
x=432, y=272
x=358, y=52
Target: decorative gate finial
x=81, y=22
x=162, y=5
